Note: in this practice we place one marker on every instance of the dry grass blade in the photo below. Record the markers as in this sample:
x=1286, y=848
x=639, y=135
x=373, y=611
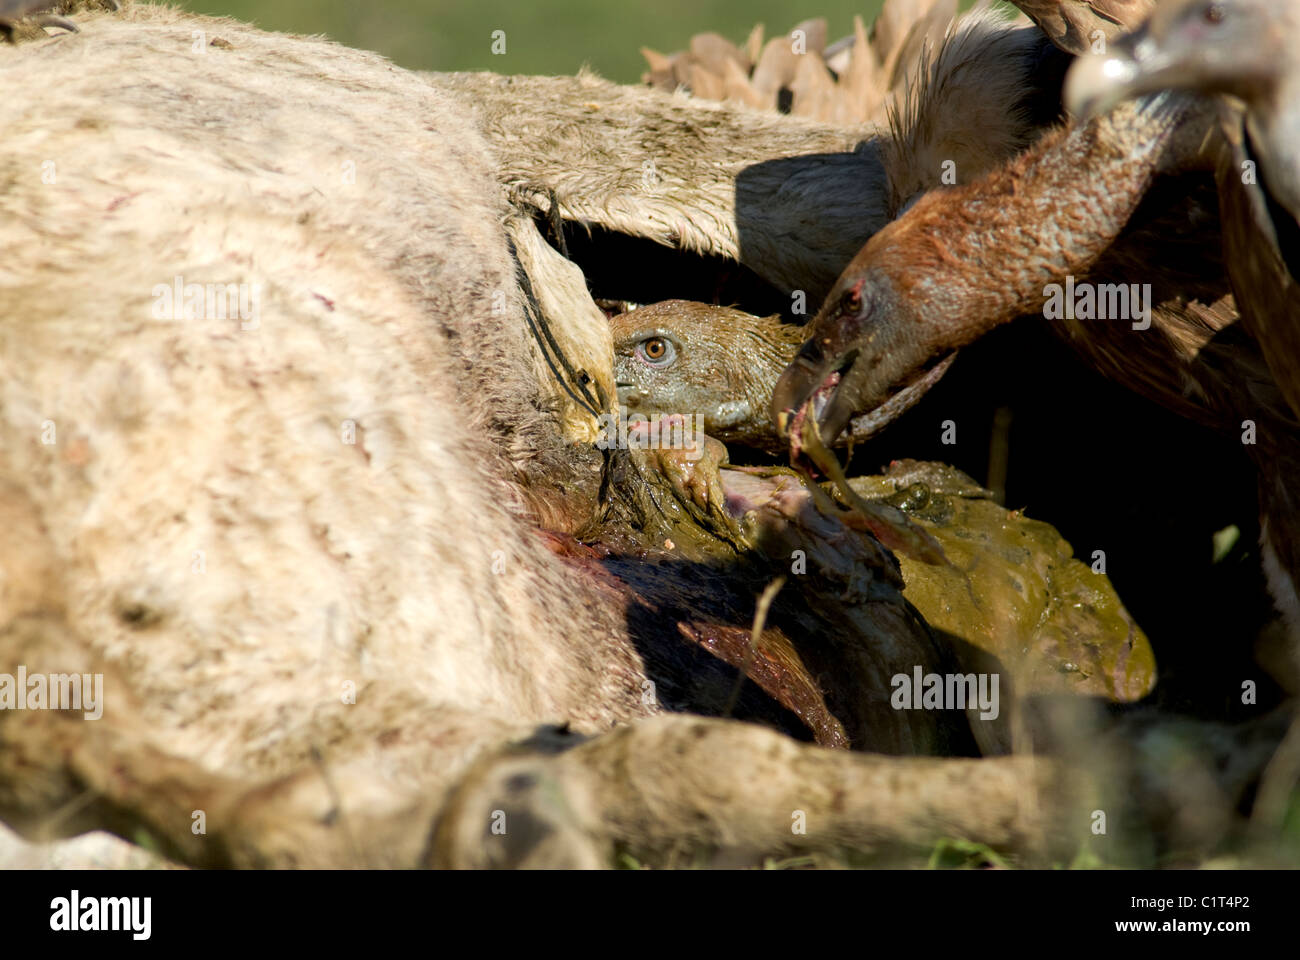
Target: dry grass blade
x=755, y=635
x=860, y=84
x=923, y=40
x=813, y=32
x=892, y=25
x=813, y=89
x=754, y=44
x=712, y=51
x=851, y=81
x=776, y=68
x=738, y=89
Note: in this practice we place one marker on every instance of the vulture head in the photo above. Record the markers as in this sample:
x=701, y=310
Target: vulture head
x=1235, y=47
x=872, y=312
x=965, y=259
x=1250, y=51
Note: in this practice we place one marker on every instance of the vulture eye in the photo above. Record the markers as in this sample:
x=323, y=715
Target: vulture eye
x=657, y=350
x=851, y=302
x=1214, y=13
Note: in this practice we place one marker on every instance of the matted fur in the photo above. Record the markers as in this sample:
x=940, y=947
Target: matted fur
x=183, y=511
x=197, y=523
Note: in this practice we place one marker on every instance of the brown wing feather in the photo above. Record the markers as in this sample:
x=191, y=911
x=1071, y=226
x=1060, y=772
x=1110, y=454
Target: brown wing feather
x=1269, y=295
x=1071, y=23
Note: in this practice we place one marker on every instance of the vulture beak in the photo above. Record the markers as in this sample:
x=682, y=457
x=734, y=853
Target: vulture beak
x=812, y=385
x=1176, y=49
x=848, y=367
x=826, y=378
x=1133, y=66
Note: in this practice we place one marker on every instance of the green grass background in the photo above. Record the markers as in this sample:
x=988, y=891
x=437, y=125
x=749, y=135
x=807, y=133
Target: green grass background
x=542, y=36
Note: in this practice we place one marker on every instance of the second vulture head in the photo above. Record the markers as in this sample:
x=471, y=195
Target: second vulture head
x=1248, y=49
x=870, y=311
x=1224, y=46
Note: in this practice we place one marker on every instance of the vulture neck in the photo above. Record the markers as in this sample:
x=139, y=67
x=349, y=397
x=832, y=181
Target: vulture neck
x=981, y=255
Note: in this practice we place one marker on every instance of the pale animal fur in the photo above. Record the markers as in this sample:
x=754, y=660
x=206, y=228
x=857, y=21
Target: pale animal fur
x=182, y=511
x=198, y=523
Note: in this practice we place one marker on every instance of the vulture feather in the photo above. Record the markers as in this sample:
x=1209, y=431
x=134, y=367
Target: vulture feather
x=964, y=260
x=1073, y=25
x=1249, y=50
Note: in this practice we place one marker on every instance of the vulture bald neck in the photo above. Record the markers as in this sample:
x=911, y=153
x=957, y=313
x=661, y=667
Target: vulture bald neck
x=965, y=259
x=1250, y=50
